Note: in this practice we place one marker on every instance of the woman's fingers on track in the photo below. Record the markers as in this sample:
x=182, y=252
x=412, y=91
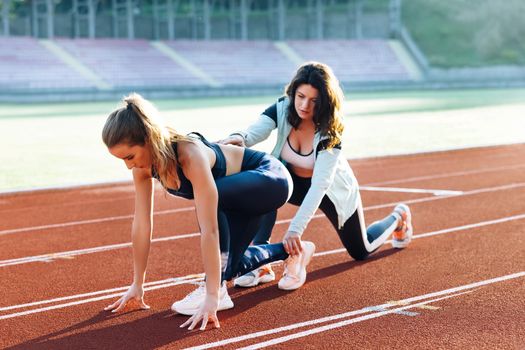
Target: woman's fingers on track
x=215, y=320
x=205, y=318
x=123, y=303
x=188, y=321
x=114, y=305
x=195, y=321
x=204, y=321
x=143, y=305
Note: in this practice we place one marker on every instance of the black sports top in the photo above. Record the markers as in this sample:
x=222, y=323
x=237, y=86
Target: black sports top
x=185, y=189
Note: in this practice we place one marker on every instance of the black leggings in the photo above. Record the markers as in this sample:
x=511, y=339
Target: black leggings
x=358, y=240
x=262, y=186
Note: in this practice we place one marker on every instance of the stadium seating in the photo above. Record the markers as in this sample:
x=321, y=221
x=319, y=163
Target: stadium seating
x=237, y=62
x=128, y=63
x=26, y=64
x=354, y=60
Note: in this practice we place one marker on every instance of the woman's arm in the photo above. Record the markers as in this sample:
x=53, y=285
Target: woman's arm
x=322, y=178
x=142, y=227
x=196, y=167
x=256, y=132
x=141, y=231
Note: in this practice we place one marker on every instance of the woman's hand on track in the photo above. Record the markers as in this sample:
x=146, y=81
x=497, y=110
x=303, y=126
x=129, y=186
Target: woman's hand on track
x=207, y=312
x=236, y=140
x=292, y=243
x=134, y=295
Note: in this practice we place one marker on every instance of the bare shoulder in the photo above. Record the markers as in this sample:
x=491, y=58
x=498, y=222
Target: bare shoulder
x=189, y=151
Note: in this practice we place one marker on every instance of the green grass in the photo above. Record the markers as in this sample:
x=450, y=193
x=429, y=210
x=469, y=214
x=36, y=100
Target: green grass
x=471, y=33
x=74, y=109
x=428, y=101
x=60, y=144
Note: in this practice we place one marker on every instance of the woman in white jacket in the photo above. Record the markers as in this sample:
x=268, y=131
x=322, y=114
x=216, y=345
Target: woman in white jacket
x=309, y=129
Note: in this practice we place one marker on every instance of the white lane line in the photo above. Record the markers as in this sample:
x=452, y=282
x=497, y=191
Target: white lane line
x=410, y=190
x=440, y=176
x=51, y=256
x=344, y=323
x=441, y=232
x=469, y=226
x=466, y=193
x=66, y=254
x=446, y=293
x=309, y=323
x=90, y=300
x=85, y=222
x=329, y=252
x=60, y=255
x=188, y=278
x=444, y=194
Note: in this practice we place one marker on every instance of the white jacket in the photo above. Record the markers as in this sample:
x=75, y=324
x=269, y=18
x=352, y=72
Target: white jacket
x=332, y=174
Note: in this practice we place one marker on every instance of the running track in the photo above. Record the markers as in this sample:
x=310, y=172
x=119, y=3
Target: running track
x=65, y=255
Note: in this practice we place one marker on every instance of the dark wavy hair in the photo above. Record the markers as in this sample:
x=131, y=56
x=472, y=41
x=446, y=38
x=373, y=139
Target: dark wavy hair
x=327, y=113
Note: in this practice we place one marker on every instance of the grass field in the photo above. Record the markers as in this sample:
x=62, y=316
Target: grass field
x=472, y=33
x=59, y=144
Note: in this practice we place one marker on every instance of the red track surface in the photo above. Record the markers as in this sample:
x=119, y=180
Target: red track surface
x=367, y=301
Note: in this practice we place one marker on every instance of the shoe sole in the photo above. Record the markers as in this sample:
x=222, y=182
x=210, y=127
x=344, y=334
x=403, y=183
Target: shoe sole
x=404, y=243
x=306, y=260
x=256, y=281
x=225, y=304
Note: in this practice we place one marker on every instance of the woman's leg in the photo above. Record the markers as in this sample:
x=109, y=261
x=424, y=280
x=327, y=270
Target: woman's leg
x=300, y=189
x=244, y=199
x=265, y=229
x=358, y=240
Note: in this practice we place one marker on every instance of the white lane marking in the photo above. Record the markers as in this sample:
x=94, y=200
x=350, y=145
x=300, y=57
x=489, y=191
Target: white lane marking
x=440, y=232
x=469, y=226
x=344, y=323
x=90, y=300
x=170, y=211
x=188, y=278
x=466, y=193
x=60, y=255
x=85, y=222
x=329, y=252
x=410, y=190
x=445, y=292
x=51, y=256
x=440, y=176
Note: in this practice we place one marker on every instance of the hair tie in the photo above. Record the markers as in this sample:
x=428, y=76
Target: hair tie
x=129, y=107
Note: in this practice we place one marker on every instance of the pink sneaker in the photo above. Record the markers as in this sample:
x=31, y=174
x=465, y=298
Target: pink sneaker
x=294, y=274
x=402, y=235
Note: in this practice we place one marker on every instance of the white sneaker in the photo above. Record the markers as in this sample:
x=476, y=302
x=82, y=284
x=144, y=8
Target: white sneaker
x=192, y=302
x=263, y=274
x=402, y=235
x=294, y=274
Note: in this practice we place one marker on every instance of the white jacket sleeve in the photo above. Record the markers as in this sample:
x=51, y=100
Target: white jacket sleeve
x=258, y=131
x=323, y=176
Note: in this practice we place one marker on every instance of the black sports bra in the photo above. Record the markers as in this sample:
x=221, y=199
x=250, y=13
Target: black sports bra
x=185, y=189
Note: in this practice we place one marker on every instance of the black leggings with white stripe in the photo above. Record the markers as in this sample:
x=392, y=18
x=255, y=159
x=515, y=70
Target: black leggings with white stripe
x=358, y=240
x=262, y=186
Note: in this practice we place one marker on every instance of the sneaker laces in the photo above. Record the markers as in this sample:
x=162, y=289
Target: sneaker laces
x=290, y=262
x=264, y=270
